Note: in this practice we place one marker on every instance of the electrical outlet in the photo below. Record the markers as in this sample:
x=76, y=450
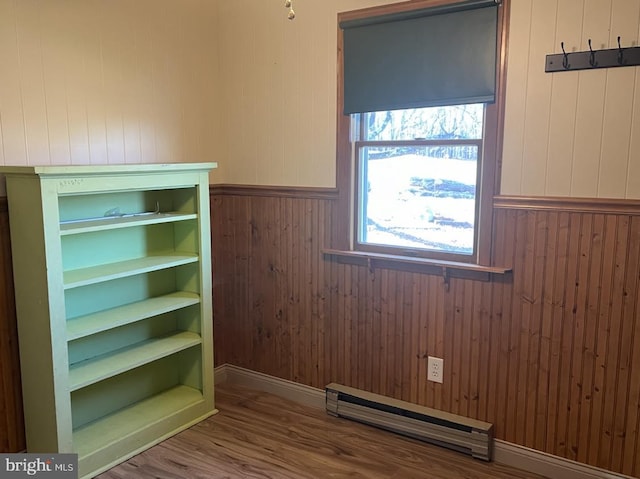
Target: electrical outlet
x=435, y=369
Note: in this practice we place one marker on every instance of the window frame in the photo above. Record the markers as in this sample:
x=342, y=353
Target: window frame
x=344, y=235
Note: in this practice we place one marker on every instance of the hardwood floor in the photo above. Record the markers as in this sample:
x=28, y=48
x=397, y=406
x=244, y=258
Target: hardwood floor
x=258, y=435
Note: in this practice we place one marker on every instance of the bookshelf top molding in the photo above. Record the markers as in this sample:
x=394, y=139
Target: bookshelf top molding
x=114, y=169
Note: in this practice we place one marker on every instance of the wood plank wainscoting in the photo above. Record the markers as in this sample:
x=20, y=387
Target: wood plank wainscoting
x=549, y=354
x=12, y=437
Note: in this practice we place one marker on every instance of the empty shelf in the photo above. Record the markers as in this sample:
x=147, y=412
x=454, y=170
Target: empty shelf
x=129, y=313
x=115, y=427
x=115, y=222
x=106, y=272
x=93, y=370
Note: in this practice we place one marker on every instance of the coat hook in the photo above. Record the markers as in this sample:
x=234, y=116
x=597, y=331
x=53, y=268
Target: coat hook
x=565, y=59
x=592, y=57
x=620, y=59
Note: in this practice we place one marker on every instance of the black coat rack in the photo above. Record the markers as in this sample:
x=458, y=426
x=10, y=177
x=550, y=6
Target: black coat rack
x=591, y=59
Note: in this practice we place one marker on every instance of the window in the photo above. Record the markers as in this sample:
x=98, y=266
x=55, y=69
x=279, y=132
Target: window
x=418, y=128
x=417, y=173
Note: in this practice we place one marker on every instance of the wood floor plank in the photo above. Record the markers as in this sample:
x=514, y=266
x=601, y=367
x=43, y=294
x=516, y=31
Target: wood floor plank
x=258, y=435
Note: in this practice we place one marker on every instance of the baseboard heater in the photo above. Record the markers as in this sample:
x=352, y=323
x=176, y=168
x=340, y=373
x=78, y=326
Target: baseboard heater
x=448, y=430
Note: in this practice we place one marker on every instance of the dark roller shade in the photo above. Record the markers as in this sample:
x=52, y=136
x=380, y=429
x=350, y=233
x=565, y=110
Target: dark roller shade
x=437, y=56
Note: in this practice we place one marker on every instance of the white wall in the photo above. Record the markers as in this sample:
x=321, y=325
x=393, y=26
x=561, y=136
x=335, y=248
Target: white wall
x=566, y=134
x=571, y=133
x=108, y=81
x=121, y=81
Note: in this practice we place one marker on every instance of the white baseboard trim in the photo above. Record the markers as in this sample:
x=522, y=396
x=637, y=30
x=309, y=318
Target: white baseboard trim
x=220, y=374
x=513, y=455
x=296, y=392
x=548, y=465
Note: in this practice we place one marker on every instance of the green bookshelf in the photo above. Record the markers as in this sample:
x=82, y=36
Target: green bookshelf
x=113, y=294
